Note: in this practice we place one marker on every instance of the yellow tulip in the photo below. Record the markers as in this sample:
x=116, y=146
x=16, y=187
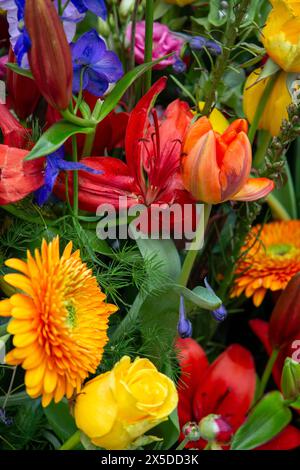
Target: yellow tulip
x=281, y=36
x=117, y=407
x=181, y=3
x=278, y=102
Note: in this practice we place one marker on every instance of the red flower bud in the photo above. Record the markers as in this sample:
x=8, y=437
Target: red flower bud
x=285, y=319
x=215, y=428
x=23, y=93
x=49, y=56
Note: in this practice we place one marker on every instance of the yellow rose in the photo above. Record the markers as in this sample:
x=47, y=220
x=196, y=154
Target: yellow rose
x=281, y=36
x=181, y=3
x=216, y=118
x=276, y=107
x=119, y=406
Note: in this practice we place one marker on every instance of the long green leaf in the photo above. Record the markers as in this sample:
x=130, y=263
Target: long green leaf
x=15, y=68
x=269, y=417
x=60, y=419
x=54, y=137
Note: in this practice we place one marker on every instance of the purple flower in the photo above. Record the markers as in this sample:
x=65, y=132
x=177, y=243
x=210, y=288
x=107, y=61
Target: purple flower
x=95, y=6
x=179, y=66
x=213, y=48
x=164, y=42
x=94, y=65
x=197, y=43
x=220, y=313
x=55, y=163
x=184, y=326
x=4, y=419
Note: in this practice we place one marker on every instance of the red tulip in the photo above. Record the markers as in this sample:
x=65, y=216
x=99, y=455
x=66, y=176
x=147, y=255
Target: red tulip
x=225, y=388
x=285, y=318
x=216, y=168
x=151, y=172
x=23, y=93
x=18, y=178
x=49, y=56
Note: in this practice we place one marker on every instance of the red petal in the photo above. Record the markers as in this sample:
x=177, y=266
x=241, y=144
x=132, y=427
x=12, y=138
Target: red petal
x=106, y=188
x=228, y=387
x=136, y=130
x=288, y=439
x=14, y=134
x=18, y=178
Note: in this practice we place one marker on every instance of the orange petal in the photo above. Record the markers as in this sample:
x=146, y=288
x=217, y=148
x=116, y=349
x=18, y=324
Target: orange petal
x=5, y=308
x=18, y=265
x=196, y=131
x=255, y=188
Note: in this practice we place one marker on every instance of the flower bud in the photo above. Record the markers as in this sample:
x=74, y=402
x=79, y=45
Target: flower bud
x=126, y=7
x=192, y=431
x=49, y=56
x=184, y=326
x=285, y=318
x=215, y=428
x=290, y=379
x=23, y=93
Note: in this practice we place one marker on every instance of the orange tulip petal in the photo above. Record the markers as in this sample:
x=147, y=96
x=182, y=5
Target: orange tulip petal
x=196, y=131
x=255, y=188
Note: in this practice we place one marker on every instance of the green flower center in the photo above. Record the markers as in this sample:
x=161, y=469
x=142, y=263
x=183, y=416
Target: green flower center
x=279, y=249
x=71, y=318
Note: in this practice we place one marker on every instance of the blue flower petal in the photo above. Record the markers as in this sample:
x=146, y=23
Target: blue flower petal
x=97, y=84
x=110, y=66
x=88, y=49
x=95, y=6
x=77, y=77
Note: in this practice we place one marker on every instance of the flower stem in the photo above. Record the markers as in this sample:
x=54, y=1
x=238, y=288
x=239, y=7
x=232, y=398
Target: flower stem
x=75, y=176
x=261, y=107
x=277, y=208
x=228, y=42
x=192, y=254
x=72, y=442
x=149, y=15
x=68, y=116
x=183, y=443
x=267, y=373
x=262, y=148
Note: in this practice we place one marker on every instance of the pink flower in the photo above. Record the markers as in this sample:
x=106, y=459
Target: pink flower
x=3, y=62
x=164, y=42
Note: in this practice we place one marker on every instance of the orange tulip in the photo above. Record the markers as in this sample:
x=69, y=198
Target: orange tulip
x=216, y=168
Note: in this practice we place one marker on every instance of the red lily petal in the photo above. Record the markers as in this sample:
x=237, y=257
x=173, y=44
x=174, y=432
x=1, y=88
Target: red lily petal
x=18, y=178
x=193, y=364
x=14, y=134
x=136, y=131
x=228, y=387
x=288, y=439
x=255, y=188
x=100, y=189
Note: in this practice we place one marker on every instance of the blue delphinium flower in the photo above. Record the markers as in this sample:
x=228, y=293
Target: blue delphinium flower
x=184, y=326
x=179, y=66
x=220, y=313
x=54, y=164
x=198, y=43
x=94, y=65
x=95, y=6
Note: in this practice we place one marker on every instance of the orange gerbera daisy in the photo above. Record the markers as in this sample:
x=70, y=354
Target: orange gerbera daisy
x=59, y=321
x=271, y=258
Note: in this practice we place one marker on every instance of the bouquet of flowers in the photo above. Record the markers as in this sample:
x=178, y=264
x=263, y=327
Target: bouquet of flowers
x=149, y=231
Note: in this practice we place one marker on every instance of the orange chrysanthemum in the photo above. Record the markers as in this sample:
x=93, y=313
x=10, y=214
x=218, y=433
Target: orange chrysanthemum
x=271, y=258
x=59, y=321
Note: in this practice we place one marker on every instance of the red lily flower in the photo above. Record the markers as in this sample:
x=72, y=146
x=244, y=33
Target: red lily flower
x=226, y=388
x=17, y=177
x=151, y=172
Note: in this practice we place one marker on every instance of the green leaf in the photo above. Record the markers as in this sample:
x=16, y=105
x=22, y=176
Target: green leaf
x=16, y=399
x=15, y=68
x=60, y=419
x=200, y=296
x=269, y=417
x=217, y=14
x=54, y=137
x=270, y=68
x=98, y=245
x=118, y=91
x=165, y=252
x=168, y=430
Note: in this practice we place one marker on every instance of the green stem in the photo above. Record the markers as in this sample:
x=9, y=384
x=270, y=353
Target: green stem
x=261, y=107
x=277, y=208
x=88, y=144
x=75, y=177
x=66, y=114
x=263, y=144
x=192, y=254
x=183, y=443
x=267, y=373
x=149, y=15
x=3, y=329
x=72, y=442
x=228, y=42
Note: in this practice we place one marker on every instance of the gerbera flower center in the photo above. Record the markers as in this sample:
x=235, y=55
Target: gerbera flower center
x=71, y=319
x=279, y=249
